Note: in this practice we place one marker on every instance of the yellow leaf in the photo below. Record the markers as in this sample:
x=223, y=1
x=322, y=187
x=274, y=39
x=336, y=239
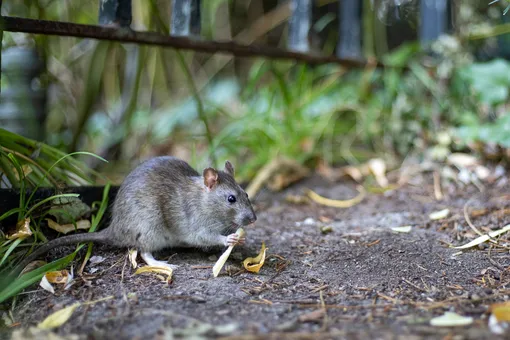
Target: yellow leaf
x=253, y=264
x=57, y=276
x=501, y=311
x=58, y=318
x=223, y=258
x=66, y=228
x=22, y=230
x=337, y=203
x=156, y=269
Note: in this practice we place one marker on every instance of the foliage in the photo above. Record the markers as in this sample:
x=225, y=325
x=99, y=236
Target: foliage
x=17, y=155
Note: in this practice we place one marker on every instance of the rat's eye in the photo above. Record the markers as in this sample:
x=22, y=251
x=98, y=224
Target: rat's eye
x=231, y=198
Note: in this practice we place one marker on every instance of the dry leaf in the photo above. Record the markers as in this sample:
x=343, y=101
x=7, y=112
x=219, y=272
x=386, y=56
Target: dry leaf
x=156, y=269
x=404, y=229
x=59, y=277
x=66, y=228
x=449, y=319
x=223, y=258
x=485, y=238
x=22, y=230
x=439, y=215
x=46, y=285
x=499, y=321
x=337, y=203
x=132, y=254
x=378, y=169
x=253, y=264
x=58, y=318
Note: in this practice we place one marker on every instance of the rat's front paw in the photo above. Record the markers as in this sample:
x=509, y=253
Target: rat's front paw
x=234, y=239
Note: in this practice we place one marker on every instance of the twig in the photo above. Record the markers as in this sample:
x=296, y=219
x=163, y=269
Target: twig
x=468, y=220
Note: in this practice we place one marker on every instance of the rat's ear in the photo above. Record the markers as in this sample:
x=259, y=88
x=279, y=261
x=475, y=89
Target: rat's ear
x=210, y=178
x=229, y=168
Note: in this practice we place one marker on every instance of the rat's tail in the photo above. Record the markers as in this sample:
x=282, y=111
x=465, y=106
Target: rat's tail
x=97, y=237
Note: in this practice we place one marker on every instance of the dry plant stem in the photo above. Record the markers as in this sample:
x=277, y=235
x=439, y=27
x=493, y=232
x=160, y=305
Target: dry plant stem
x=468, y=221
x=437, y=187
x=275, y=165
x=198, y=100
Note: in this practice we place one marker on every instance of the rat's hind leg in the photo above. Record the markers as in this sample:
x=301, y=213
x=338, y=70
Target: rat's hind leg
x=151, y=261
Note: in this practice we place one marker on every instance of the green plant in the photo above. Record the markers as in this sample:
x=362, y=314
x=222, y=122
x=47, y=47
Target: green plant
x=15, y=152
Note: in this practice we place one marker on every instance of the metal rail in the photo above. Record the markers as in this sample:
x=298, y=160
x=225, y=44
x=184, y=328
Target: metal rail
x=126, y=35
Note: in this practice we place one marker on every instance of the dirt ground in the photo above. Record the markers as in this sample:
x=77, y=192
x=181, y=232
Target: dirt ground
x=375, y=283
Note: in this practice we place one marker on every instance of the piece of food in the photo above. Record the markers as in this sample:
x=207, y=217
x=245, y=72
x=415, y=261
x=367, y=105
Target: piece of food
x=223, y=258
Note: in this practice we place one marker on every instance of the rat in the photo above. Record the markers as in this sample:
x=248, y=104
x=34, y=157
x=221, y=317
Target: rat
x=164, y=203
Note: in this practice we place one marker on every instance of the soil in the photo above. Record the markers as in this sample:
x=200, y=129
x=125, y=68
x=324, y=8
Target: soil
x=329, y=273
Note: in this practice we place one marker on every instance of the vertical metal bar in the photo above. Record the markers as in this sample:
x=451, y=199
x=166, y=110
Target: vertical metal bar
x=115, y=12
x=349, y=38
x=185, y=18
x=1, y=44
x=433, y=15
x=299, y=25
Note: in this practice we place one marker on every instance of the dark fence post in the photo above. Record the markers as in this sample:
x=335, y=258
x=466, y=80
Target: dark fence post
x=185, y=18
x=299, y=25
x=115, y=12
x=433, y=14
x=349, y=44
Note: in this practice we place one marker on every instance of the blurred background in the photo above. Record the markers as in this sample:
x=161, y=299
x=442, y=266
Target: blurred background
x=443, y=85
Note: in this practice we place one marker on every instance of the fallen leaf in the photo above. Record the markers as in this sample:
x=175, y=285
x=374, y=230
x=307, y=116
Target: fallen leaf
x=253, y=264
x=404, y=229
x=501, y=311
x=132, y=254
x=22, y=230
x=156, y=269
x=316, y=315
x=223, y=258
x=439, y=215
x=449, y=319
x=58, y=318
x=337, y=203
x=66, y=228
x=499, y=321
x=378, y=169
x=484, y=238
x=59, y=277
x=46, y=285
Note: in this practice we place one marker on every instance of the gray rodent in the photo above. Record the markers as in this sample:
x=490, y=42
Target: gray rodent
x=164, y=203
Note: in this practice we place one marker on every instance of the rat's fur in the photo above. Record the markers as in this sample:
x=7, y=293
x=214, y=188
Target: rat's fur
x=164, y=203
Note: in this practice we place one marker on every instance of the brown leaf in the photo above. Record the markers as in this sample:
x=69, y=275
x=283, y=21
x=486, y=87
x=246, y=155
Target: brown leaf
x=66, y=228
x=22, y=230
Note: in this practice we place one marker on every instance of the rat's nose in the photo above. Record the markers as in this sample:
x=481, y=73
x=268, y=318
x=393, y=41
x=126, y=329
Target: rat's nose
x=250, y=218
